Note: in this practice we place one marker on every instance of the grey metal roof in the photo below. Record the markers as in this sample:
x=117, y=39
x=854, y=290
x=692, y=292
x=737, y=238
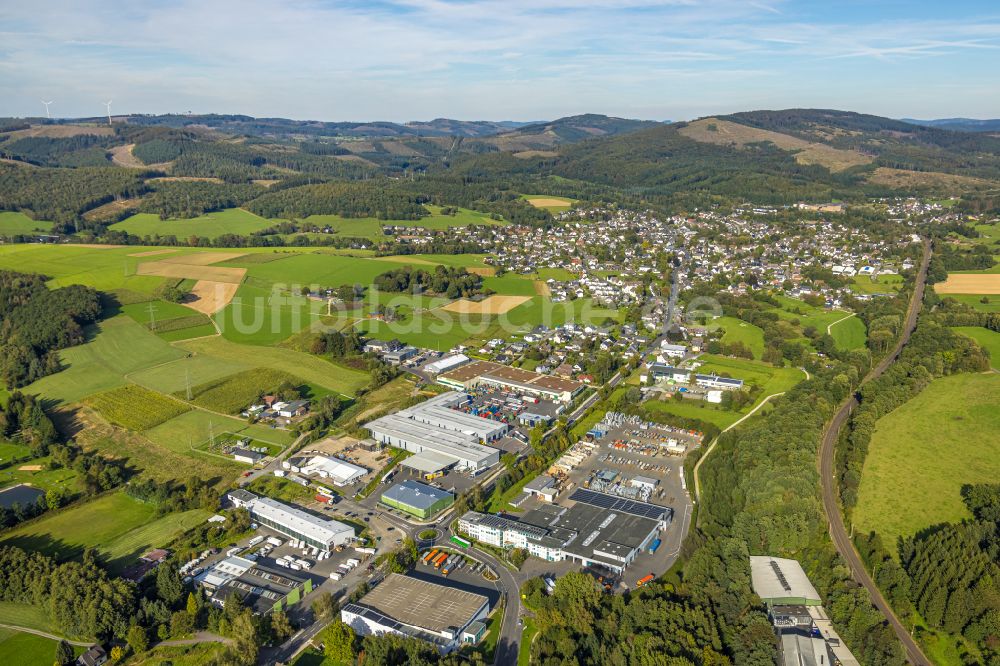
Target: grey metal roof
x=416, y=494
x=777, y=578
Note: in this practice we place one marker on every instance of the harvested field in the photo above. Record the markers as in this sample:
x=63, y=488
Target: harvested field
x=30, y=468
x=548, y=202
x=485, y=271
x=491, y=305
x=209, y=296
x=727, y=133
x=525, y=154
x=264, y=182
x=203, y=258
x=195, y=272
x=542, y=288
x=152, y=253
x=970, y=283
x=111, y=210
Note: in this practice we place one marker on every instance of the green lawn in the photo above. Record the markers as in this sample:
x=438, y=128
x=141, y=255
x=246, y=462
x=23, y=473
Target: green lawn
x=27, y=649
x=119, y=527
x=209, y=225
x=527, y=635
x=987, y=339
x=511, y=285
x=883, y=284
x=45, y=479
x=557, y=274
x=737, y=330
x=924, y=452
x=371, y=228
x=196, y=427
x=315, y=268
x=12, y=224
x=116, y=347
x=26, y=615
x=849, y=334
x=976, y=301
x=695, y=409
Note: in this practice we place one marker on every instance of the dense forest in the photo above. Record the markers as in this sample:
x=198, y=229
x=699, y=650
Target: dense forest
x=36, y=322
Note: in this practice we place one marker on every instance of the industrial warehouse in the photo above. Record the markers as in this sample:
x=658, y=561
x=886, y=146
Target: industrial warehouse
x=440, y=614
x=803, y=628
x=598, y=529
x=417, y=499
x=316, y=531
x=339, y=472
x=261, y=588
x=441, y=436
x=518, y=380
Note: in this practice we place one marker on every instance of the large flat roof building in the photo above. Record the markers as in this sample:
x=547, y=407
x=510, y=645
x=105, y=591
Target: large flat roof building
x=608, y=533
x=293, y=522
x=436, y=427
x=516, y=379
x=339, y=472
x=261, y=587
x=417, y=499
x=423, y=609
x=780, y=581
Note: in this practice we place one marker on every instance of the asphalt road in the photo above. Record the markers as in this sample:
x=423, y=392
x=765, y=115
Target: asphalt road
x=831, y=503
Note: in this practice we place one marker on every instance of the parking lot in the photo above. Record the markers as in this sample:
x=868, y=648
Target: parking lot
x=467, y=576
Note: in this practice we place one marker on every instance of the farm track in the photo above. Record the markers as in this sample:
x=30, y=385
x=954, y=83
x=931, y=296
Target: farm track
x=830, y=487
x=44, y=634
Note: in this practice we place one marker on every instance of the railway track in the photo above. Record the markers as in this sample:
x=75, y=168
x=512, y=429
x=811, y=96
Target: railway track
x=831, y=489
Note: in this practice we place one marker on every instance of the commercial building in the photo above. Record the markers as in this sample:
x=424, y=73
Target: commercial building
x=660, y=371
x=445, y=364
x=517, y=380
x=435, y=426
x=417, y=499
x=803, y=629
x=598, y=529
x=339, y=472
x=293, y=522
x=716, y=382
x=675, y=351
x=247, y=456
x=439, y=614
x=261, y=587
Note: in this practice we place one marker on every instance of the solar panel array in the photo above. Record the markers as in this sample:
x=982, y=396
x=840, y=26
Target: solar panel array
x=374, y=616
x=619, y=504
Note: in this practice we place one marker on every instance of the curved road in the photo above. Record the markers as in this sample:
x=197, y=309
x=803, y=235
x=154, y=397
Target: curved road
x=828, y=478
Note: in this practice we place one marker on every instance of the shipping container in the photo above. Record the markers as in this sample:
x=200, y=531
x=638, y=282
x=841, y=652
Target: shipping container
x=439, y=560
x=653, y=546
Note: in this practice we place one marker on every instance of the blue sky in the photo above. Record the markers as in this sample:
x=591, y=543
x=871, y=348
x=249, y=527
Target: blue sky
x=500, y=59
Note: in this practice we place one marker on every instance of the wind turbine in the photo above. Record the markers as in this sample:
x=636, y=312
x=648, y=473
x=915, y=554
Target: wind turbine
x=47, y=108
x=108, y=104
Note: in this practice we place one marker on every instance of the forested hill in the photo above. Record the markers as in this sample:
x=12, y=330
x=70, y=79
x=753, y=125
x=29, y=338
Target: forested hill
x=86, y=176
x=960, y=124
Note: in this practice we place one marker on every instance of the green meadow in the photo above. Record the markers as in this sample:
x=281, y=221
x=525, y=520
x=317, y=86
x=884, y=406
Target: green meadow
x=883, y=284
x=975, y=301
x=849, y=334
x=192, y=429
x=119, y=527
x=987, y=339
x=209, y=225
x=924, y=452
x=115, y=347
x=12, y=224
x=737, y=330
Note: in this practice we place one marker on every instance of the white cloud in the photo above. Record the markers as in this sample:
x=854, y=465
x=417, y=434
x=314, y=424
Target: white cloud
x=482, y=58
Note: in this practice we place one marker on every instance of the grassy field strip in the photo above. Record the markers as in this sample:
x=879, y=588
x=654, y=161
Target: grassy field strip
x=927, y=449
x=987, y=339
